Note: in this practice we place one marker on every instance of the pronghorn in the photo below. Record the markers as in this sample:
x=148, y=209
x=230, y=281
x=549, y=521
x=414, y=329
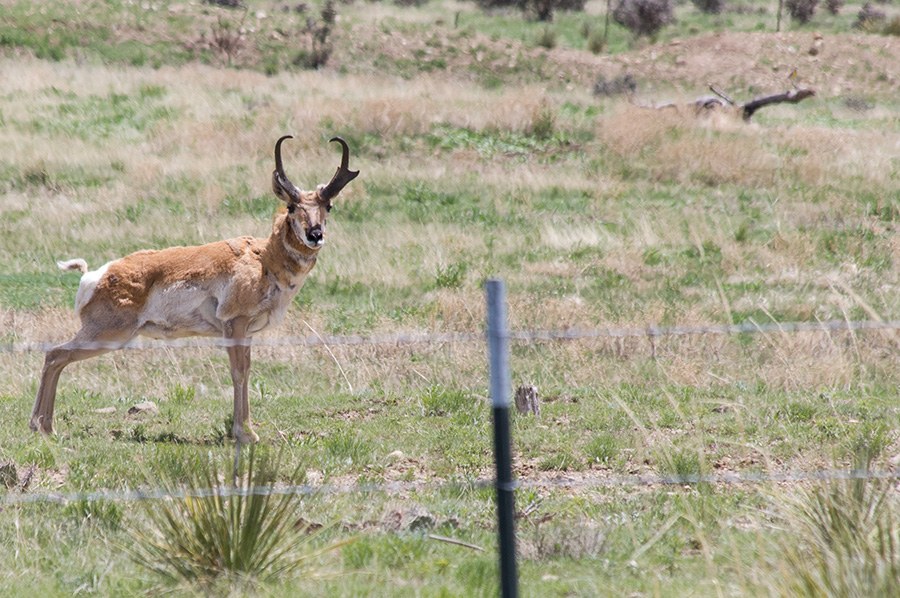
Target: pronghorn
x=232, y=288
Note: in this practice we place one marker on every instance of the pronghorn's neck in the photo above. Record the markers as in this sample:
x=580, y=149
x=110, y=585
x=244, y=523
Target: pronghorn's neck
x=286, y=256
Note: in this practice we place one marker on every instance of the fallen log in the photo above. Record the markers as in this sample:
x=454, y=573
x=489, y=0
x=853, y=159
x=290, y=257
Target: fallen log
x=793, y=96
x=749, y=108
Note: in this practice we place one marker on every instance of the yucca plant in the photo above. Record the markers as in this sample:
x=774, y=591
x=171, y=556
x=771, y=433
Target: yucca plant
x=215, y=525
x=843, y=535
x=845, y=542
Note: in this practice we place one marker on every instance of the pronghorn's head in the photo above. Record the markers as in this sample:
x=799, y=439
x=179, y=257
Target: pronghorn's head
x=308, y=210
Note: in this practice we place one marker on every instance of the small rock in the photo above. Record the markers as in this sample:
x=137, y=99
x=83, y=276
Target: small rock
x=105, y=410
x=395, y=456
x=308, y=526
x=314, y=477
x=148, y=407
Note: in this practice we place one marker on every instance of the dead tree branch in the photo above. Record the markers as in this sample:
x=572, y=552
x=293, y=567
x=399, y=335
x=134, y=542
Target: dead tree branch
x=748, y=109
x=793, y=96
x=713, y=89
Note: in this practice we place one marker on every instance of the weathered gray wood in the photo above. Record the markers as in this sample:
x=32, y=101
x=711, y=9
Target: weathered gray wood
x=749, y=108
x=528, y=401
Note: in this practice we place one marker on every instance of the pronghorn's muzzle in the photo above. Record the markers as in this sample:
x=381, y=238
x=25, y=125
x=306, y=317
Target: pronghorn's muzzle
x=315, y=236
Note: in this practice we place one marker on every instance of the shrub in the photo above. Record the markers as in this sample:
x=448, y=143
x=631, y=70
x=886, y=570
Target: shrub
x=571, y=5
x=869, y=18
x=320, y=45
x=710, y=7
x=834, y=6
x=615, y=86
x=801, y=11
x=546, y=38
x=543, y=122
x=596, y=42
x=542, y=10
x=892, y=28
x=227, y=39
x=644, y=17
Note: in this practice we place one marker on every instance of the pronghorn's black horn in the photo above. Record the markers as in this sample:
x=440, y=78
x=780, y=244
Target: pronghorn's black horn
x=281, y=185
x=342, y=175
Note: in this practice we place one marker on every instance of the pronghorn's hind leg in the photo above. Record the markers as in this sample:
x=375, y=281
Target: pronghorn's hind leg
x=86, y=344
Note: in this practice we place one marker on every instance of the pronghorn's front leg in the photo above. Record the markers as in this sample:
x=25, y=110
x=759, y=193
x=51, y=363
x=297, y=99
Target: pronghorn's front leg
x=239, y=358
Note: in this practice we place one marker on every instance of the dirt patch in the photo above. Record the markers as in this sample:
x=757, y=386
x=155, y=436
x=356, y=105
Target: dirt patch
x=756, y=63
x=745, y=64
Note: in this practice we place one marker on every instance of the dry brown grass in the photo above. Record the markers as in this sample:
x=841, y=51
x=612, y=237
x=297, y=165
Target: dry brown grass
x=676, y=146
x=205, y=139
x=786, y=361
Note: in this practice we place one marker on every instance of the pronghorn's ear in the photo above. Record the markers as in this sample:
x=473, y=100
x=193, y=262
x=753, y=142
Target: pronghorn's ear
x=283, y=188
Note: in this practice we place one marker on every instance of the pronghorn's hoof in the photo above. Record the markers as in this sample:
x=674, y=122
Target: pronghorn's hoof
x=41, y=424
x=243, y=436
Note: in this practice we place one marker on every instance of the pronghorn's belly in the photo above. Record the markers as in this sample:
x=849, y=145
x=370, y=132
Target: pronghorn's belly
x=182, y=309
x=201, y=309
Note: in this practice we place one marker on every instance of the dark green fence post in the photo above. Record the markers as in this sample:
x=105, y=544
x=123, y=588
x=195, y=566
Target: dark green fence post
x=498, y=346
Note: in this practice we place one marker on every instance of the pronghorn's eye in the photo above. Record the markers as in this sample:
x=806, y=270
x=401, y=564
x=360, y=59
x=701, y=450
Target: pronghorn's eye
x=291, y=208
x=328, y=208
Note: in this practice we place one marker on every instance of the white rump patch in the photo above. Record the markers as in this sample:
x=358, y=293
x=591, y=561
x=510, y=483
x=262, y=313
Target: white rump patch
x=88, y=284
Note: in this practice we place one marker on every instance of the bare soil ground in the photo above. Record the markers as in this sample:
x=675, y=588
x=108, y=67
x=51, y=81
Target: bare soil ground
x=739, y=63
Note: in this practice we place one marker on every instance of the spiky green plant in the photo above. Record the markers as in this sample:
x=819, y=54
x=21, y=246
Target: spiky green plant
x=843, y=541
x=231, y=526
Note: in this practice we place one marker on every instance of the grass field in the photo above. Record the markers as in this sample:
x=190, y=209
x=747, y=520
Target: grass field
x=126, y=126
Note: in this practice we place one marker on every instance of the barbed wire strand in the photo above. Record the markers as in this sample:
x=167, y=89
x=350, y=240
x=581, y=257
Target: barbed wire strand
x=397, y=487
x=652, y=331
x=461, y=337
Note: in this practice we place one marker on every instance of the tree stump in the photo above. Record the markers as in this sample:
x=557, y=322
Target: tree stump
x=527, y=400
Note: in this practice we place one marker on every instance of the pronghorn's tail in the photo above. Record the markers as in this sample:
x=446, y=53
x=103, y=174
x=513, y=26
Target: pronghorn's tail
x=76, y=264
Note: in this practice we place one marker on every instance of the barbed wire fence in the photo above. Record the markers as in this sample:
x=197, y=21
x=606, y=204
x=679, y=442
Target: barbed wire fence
x=651, y=332
x=504, y=484
x=400, y=487
x=406, y=338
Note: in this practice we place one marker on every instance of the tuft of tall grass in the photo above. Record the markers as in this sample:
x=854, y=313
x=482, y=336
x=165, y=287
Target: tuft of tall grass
x=843, y=536
x=843, y=540
x=218, y=525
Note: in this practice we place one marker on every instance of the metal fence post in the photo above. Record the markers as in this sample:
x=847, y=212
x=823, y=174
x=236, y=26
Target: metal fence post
x=498, y=346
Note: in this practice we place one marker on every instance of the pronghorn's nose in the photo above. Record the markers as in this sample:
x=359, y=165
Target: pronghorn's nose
x=314, y=234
